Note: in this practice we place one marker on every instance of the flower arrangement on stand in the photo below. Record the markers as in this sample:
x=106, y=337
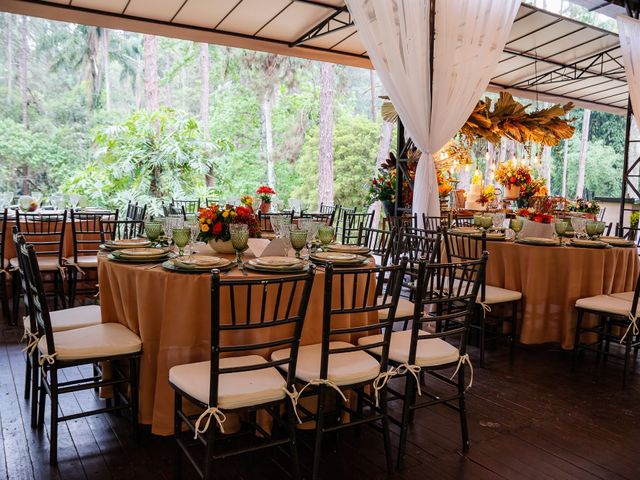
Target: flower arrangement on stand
x=535, y=215
x=214, y=222
x=513, y=177
x=444, y=186
x=265, y=192
x=487, y=195
x=383, y=188
x=590, y=207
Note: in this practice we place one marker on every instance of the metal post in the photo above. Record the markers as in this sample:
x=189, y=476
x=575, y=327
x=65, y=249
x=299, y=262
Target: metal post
x=399, y=176
x=625, y=168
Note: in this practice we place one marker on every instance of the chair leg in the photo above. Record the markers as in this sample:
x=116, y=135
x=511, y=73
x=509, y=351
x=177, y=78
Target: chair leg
x=409, y=396
x=627, y=357
x=56, y=289
x=317, y=450
x=15, y=280
x=35, y=371
x=607, y=342
x=4, y=298
x=53, y=452
x=295, y=460
x=576, y=340
x=42, y=400
x=27, y=376
x=208, y=461
x=514, y=329
x=73, y=283
x=133, y=400
x=386, y=435
x=464, y=428
x=63, y=299
x=177, y=432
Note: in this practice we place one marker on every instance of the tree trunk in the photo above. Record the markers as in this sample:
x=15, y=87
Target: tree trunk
x=105, y=69
x=24, y=59
x=372, y=88
x=267, y=135
x=10, y=72
x=383, y=152
x=204, y=88
x=546, y=166
x=584, y=145
x=490, y=162
x=151, y=92
x=564, y=168
x=325, y=155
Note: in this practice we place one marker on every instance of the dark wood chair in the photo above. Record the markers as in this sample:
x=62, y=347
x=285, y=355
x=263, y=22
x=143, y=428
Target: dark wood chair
x=326, y=218
x=264, y=220
x=462, y=220
x=235, y=379
x=380, y=242
x=403, y=221
x=120, y=229
x=4, y=269
x=448, y=293
x=328, y=208
x=105, y=342
x=191, y=207
x=434, y=223
x=351, y=223
x=461, y=247
x=336, y=364
x=171, y=209
x=46, y=233
x=87, y=238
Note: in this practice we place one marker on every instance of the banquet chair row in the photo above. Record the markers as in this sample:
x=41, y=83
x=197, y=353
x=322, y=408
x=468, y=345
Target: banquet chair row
x=616, y=322
x=332, y=367
x=351, y=223
x=72, y=338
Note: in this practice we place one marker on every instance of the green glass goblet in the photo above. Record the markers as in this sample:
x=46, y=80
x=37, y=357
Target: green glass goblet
x=477, y=219
x=561, y=229
x=600, y=226
x=239, y=240
x=591, y=228
x=181, y=238
x=153, y=230
x=325, y=235
x=516, y=224
x=486, y=222
x=298, y=240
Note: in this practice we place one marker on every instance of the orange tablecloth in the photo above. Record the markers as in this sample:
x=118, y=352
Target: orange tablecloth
x=67, y=243
x=171, y=314
x=551, y=279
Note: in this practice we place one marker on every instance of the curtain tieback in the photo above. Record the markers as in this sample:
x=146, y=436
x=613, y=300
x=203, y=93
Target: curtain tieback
x=464, y=359
x=214, y=412
x=633, y=326
x=414, y=370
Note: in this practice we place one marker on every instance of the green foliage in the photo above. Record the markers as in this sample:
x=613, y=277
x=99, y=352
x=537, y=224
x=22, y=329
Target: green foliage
x=148, y=157
x=355, y=147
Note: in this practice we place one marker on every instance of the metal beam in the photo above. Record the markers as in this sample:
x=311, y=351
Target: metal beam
x=329, y=25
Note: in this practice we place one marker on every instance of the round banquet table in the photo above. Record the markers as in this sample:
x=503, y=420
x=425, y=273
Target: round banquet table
x=170, y=311
x=552, y=278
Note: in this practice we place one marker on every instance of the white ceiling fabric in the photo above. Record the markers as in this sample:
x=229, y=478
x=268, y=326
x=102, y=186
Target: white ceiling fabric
x=629, y=31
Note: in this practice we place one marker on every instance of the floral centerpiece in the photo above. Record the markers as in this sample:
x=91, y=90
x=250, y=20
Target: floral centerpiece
x=214, y=223
x=383, y=188
x=265, y=192
x=444, y=187
x=487, y=195
x=247, y=201
x=513, y=177
x=581, y=205
x=535, y=215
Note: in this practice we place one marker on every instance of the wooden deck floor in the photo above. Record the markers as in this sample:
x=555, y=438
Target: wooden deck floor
x=529, y=419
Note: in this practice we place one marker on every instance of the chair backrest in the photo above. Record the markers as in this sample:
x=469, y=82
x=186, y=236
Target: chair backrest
x=380, y=242
x=3, y=237
x=351, y=223
x=359, y=291
x=602, y=212
x=461, y=248
x=462, y=221
x=326, y=218
x=328, y=208
x=17, y=240
x=209, y=201
x=120, y=229
x=421, y=232
x=415, y=248
x=35, y=293
x=275, y=306
x=131, y=210
x=339, y=218
x=403, y=221
x=629, y=233
x=264, y=219
x=171, y=209
x=87, y=236
x=434, y=223
x=448, y=291
x=191, y=207
x=44, y=231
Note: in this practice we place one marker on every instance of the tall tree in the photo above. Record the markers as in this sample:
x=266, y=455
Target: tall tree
x=24, y=60
x=105, y=69
x=325, y=153
x=9, y=30
x=151, y=89
x=266, y=110
x=584, y=145
x=204, y=87
x=372, y=91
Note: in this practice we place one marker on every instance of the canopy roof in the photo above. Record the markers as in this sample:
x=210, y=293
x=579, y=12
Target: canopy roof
x=547, y=57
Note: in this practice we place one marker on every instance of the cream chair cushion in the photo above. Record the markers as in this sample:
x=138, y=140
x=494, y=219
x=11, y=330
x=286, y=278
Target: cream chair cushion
x=235, y=390
x=403, y=310
x=103, y=340
x=67, y=319
x=494, y=295
x=46, y=264
x=605, y=304
x=626, y=296
x=430, y=352
x=344, y=368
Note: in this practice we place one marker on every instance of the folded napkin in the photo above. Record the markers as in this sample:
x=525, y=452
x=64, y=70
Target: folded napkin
x=275, y=248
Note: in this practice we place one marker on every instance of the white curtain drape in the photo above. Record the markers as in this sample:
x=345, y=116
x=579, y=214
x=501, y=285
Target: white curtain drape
x=629, y=32
x=469, y=38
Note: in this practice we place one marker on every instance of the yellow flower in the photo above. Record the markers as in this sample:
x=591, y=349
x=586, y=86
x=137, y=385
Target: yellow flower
x=204, y=227
x=201, y=220
x=225, y=214
x=209, y=221
x=233, y=214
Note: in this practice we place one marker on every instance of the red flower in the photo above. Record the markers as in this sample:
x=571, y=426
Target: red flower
x=217, y=228
x=265, y=190
x=512, y=179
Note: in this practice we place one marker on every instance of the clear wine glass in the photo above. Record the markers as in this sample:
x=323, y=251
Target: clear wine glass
x=311, y=226
x=194, y=227
x=74, y=198
x=579, y=225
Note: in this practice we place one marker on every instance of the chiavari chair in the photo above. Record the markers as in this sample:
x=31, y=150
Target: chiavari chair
x=191, y=207
x=351, y=223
